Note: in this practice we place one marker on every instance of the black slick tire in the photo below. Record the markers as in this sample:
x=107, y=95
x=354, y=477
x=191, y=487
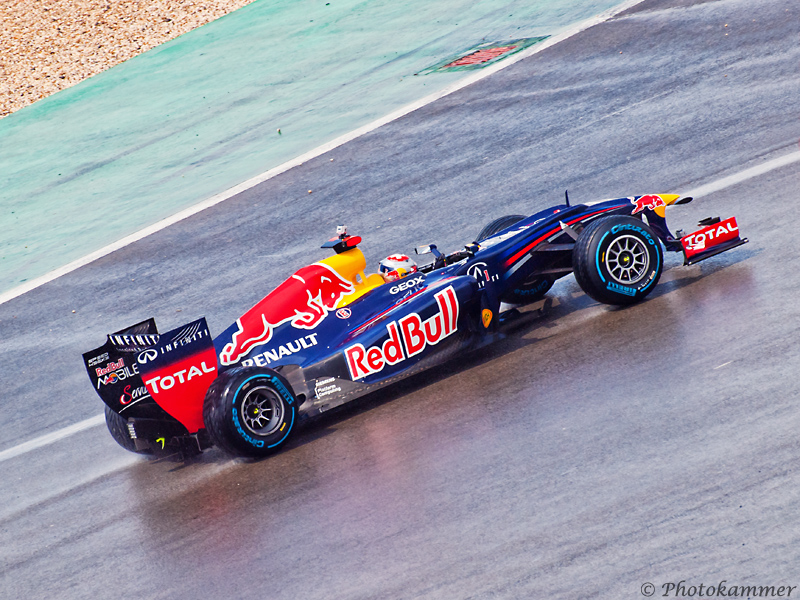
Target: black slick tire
x=528, y=291
x=497, y=226
x=617, y=260
x=118, y=428
x=249, y=411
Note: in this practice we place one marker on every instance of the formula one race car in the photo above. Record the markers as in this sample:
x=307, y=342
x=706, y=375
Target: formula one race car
x=331, y=333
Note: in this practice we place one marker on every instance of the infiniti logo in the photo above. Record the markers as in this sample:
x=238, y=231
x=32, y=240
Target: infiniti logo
x=147, y=356
x=479, y=271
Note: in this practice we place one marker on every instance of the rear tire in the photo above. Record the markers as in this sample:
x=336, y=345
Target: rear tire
x=617, y=260
x=249, y=411
x=529, y=291
x=497, y=226
x=118, y=428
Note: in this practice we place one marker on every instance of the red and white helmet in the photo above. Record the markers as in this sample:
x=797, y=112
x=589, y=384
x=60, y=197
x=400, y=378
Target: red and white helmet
x=395, y=266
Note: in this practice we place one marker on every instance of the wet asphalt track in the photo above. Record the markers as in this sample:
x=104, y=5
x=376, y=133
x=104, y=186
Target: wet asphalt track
x=594, y=451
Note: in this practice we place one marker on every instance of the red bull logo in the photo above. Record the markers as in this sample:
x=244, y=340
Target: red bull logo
x=650, y=201
x=407, y=337
x=112, y=366
x=304, y=300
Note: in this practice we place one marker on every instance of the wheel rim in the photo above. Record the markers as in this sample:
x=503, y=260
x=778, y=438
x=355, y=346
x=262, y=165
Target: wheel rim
x=627, y=259
x=262, y=411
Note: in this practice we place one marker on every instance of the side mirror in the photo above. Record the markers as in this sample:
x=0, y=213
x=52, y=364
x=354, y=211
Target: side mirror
x=431, y=249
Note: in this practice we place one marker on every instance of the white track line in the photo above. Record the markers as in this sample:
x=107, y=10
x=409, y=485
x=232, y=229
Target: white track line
x=319, y=150
x=703, y=190
x=742, y=176
x=48, y=439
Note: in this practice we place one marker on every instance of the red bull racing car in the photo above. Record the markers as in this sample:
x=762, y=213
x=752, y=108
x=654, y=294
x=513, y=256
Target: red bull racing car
x=331, y=332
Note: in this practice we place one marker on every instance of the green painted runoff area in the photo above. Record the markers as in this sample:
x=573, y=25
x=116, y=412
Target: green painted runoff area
x=197, y=115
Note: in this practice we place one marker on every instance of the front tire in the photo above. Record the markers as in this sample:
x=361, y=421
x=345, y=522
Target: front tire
x=250, y=411
x=617, y=260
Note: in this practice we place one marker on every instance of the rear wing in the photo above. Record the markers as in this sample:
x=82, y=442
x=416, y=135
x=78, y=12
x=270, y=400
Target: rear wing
x=140, y=373
x=115, y=375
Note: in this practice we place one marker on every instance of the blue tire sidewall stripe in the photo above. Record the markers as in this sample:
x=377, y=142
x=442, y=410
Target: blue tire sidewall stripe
x=283, y=389
x=287, y=431
x=597, y=256
x=657, y=246
x=658, y=255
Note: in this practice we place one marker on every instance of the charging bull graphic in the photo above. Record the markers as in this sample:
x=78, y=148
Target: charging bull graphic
x=651, y=201
x=304, y=300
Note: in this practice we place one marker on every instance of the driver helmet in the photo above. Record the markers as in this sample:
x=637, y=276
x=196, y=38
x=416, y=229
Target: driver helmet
x=395, y=266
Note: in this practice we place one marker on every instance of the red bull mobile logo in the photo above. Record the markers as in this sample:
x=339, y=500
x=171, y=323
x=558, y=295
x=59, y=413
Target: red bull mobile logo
x=407, y=337
x=650, y=201
x=304, y=300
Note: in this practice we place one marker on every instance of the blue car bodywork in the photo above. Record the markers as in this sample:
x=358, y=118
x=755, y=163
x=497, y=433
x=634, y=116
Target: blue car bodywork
x=331, y=333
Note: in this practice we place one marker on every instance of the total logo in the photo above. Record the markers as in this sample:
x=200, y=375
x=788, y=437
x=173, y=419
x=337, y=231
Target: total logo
x=407, y=337
x=711, y=236
x=157, y=384
x=406, y=284
x=265, y=358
